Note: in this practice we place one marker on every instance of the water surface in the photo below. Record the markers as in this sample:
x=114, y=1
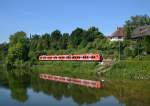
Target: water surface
x=27, y=89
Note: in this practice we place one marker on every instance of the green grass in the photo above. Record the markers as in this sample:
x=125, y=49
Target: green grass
x=130, y=69
x=85, y=70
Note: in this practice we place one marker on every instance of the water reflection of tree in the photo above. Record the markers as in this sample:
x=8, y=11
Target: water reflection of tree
x=18, y=83
x=132, y=93
x=3, y=79
x=81, y=95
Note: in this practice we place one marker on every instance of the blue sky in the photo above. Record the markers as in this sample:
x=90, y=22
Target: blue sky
x=44, y=16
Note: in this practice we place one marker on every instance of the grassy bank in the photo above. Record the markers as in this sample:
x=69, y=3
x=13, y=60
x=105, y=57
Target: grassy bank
x=130, y=69
x=124, y=69
x=85, y=70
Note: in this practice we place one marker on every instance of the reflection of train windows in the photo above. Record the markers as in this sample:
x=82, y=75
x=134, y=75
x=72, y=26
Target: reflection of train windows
x=55, y=78
x=93, y=83
x=49, y=77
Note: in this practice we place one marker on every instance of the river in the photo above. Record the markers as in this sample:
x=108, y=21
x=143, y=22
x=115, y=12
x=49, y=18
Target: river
x=27, y=89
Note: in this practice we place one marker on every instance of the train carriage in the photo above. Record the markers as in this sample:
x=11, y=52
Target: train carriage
x=70, y=57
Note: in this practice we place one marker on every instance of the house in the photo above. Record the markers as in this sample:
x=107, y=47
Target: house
x=118, y=35
x=141, y=32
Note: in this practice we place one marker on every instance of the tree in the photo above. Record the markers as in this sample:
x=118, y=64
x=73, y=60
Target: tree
x=127, y=52
x=56, y=39
x=146, y=44
x=44, y=42
x=92, y=34
x=18, y=48
x=3, y=51
x=134, y=22
x=34, y=40
x=76, y=37
x=64, y=41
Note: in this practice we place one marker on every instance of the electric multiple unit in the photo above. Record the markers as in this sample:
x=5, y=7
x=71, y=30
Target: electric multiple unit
x=72, y=57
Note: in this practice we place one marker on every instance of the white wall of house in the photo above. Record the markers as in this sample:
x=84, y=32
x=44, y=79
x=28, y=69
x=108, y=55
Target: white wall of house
x=116, y=39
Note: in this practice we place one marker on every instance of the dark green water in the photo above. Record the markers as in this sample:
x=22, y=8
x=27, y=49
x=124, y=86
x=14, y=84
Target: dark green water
x=27, y=89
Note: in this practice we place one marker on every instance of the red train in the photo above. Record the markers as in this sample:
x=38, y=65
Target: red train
x=71, y=57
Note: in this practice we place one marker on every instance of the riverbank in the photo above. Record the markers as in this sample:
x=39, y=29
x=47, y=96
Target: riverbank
x=124, y=69
x=129, y=69
x=117, y=70
x=86, y=70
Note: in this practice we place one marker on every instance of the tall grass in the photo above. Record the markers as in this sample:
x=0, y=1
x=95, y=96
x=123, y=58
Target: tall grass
x=71, y=69
x=130, y=69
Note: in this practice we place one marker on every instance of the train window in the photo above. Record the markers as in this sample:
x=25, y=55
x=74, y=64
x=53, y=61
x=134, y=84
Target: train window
x=73, y=57
x=49, y=57
x=68, y=57
x=92, y=56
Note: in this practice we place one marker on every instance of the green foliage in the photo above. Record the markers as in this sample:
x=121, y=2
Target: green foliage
x=134, y=22
x=71, y=69
x=21, y=50
x=64, y=41
x=18, y=48
x=56, y=39
x=131, y=69
x=128, y=52
x=92, y=34
x=146, y=44
x=3, y=52
x=76, y=37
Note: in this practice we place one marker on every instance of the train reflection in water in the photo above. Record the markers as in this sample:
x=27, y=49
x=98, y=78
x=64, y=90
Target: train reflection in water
x=82, y=82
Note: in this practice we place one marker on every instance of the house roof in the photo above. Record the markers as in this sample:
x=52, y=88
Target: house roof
x=141, y=31
x=118, y=33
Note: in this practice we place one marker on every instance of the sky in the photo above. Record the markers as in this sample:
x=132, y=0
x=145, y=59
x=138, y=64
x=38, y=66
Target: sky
x=45, y=16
